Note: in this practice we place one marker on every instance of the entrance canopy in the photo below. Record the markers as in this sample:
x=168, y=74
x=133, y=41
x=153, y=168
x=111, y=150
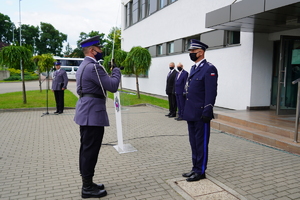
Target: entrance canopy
x=265, y=16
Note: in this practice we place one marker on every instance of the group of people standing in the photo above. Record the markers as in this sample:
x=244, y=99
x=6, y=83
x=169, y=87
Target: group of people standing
x=192, y=93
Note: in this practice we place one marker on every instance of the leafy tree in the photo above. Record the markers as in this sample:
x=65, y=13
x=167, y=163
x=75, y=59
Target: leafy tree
x=68, y=50
x=10, y=55
x=44, y=63
x=29, y=35
x=119, y=57
x=113, y=41
x=6, y=34
x=51, y=40
x=137, y=62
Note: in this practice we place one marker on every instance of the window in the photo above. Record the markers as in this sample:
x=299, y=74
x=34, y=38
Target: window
x=143, y=9
x=128, y=14
x=152, y=6
x=162, y=3
x=171, y=1
x=233, y=37
x=159, y=49
x=171, y=47
x=135, y=11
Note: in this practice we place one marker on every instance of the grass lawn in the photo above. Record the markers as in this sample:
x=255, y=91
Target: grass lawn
x=35, y=99
x=130, y=98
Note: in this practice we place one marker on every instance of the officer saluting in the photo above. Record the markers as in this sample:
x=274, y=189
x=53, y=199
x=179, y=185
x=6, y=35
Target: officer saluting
x=200, y=98
x=92, y=83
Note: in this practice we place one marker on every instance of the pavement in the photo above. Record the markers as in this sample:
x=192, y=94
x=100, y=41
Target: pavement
x=39, y=159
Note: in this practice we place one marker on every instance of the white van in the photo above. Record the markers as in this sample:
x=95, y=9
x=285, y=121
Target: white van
x=70, y=65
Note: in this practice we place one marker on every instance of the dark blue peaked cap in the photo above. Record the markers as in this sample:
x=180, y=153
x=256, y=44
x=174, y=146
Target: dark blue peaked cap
x=57, y=63
x=196, y=44
x=93, y=41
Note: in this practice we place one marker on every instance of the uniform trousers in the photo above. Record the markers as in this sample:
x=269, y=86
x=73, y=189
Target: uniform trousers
x=59, y=99
x=180, y=100
x=90, y=144
x=172, y=103
x=199, y=133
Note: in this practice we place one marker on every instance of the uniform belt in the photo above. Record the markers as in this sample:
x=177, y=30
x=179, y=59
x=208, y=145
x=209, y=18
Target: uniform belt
x=100, y=96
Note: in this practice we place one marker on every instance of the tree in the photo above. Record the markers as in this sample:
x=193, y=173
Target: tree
x=119, y=57
x=137, y=62
x=44, y=62
x=6, y=34
x=30, y=35
x=10, y=55
x=51, y=40
x=68, y=51
x=113, y=41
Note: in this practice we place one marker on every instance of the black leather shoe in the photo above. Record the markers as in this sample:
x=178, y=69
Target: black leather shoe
x=188, y=174
x=168, y=115
x=99, y=186
x=178, y=119
x=195, y=177
x=93, y=193
x=56, y=112
x=60, y=112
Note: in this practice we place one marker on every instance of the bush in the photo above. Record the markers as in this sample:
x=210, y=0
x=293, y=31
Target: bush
x=15, y=75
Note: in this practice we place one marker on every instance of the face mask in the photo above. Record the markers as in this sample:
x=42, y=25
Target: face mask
x=193, y=56
x=98, y=56
x=171, y=68
x=179, y=68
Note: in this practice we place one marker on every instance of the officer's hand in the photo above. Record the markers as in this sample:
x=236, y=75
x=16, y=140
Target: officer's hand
x=205, y=119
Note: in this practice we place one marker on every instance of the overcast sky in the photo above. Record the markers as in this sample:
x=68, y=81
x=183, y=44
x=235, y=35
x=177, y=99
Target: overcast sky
x=67, y=16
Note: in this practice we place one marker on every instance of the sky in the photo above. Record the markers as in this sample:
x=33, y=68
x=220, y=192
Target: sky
x=70, y=17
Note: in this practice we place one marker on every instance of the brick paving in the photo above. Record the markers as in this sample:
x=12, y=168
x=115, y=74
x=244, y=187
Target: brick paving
x=39, y=159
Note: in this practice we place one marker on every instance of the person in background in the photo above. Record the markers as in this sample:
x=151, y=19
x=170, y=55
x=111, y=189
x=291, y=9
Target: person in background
x=59, y=84
x=170, y=90
x=91, y=116
x=180, y=82
x=198, y=110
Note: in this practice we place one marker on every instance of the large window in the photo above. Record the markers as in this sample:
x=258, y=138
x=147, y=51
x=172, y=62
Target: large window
x=129, y=14
x=143, y=8
x=163, y=3
x=152, y=6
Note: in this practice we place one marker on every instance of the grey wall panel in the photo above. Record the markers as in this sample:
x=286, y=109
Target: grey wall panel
x=164, y=50
x=272, y=4
x=213, y=38
x=152, y=51
x=217, y=17
x=246, y=8
x=178, y=46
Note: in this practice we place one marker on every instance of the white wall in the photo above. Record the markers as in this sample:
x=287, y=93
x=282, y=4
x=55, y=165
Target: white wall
x=182, y=19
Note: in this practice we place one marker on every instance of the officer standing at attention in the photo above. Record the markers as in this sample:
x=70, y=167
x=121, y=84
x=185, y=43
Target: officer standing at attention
x=170, y=90
x=198, y=111
x=59, y=84
x=92, y=84
x=180, y=83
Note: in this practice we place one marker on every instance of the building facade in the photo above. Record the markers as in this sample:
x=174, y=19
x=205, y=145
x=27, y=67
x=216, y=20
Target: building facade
x=255, y=45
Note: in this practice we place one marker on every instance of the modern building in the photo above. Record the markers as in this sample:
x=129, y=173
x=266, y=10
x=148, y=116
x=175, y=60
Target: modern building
x=255, y=45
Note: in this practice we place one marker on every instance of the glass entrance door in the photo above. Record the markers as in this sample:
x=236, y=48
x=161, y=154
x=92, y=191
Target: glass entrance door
x=289, y=70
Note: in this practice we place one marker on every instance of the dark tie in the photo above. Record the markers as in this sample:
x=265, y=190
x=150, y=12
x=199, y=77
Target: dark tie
x=193, y=69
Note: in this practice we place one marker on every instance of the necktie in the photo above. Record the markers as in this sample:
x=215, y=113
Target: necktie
x=193, y=69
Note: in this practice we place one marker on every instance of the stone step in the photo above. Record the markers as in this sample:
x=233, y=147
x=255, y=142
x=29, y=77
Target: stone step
x=260, y=133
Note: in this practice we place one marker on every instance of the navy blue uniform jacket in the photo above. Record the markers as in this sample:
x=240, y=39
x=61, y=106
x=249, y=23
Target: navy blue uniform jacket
x=201, y=92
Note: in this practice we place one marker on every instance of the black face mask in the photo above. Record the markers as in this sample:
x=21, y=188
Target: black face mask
x=193, y=56
x=98, y=56
x=171, y=68
x=179, y=68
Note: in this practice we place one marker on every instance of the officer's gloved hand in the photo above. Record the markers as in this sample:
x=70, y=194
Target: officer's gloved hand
x=205, y=119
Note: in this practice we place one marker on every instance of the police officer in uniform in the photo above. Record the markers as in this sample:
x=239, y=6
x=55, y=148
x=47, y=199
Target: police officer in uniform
x=180, y=82
x=200, y=99
x=92, y=84
x=59, y=84
x=170, y=90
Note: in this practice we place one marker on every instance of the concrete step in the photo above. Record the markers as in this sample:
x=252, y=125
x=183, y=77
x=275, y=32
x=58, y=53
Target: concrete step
x=261, y=133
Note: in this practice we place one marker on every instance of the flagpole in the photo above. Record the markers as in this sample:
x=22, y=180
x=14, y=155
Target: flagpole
x=21, y=67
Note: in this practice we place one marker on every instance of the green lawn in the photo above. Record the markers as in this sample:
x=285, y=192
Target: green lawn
x=37, y=99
